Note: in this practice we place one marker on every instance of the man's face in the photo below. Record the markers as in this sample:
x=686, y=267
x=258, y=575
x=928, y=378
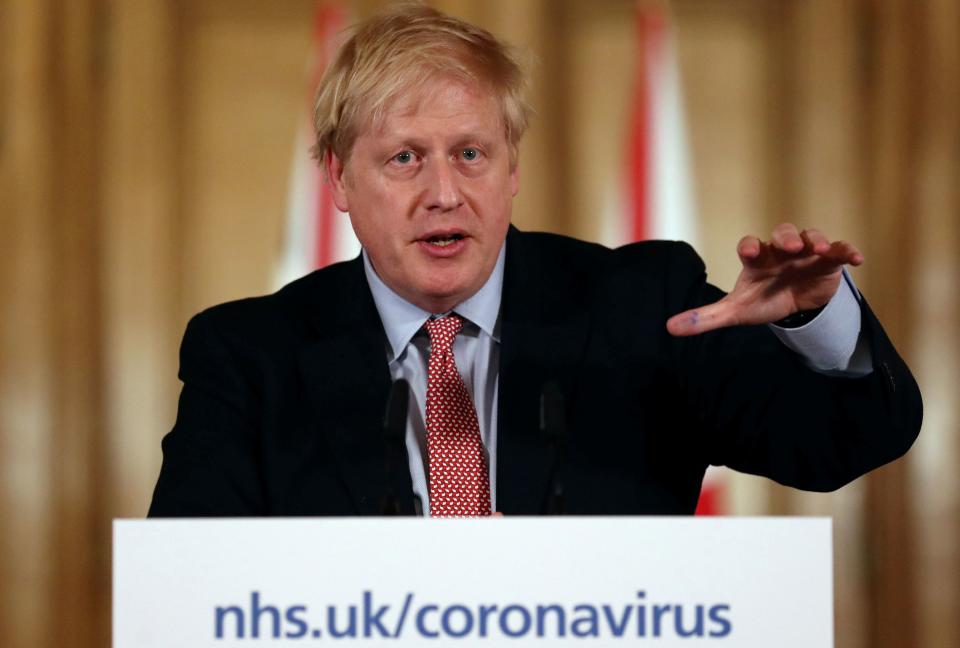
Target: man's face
x=430, y=193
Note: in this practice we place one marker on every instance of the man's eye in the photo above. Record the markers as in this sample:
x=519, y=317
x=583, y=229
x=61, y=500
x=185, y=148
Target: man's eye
x=404, y=157
x=470, y=154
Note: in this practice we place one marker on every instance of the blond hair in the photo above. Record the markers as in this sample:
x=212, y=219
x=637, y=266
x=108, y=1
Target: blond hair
x=402, y=48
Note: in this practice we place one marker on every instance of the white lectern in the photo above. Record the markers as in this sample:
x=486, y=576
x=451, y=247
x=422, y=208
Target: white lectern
x=746, y=582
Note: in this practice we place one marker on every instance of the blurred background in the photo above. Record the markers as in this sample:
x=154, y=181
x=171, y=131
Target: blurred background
x=148, y=169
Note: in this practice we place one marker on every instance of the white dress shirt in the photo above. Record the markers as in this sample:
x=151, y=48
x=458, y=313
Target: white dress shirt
x=829, y=343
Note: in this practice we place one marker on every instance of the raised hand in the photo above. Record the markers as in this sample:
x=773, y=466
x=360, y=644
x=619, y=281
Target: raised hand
x=794, y=271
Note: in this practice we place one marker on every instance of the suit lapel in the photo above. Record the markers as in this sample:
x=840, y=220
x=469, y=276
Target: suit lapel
x=543, y=336
x=347, y=381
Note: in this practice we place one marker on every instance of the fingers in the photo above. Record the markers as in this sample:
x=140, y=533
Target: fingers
x=843, y=252
x=748, y=248
x=839, y=252
x=815, y=241
x=703, y=319
x=786, y=238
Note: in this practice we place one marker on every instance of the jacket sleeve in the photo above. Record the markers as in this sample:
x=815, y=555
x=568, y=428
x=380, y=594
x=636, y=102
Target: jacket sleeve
x=210, y=466
x=759, y=409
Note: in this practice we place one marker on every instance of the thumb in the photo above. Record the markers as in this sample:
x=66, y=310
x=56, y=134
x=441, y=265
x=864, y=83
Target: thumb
x=700, y=320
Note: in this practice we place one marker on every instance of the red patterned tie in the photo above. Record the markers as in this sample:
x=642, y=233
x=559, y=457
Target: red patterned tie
x=459, y=477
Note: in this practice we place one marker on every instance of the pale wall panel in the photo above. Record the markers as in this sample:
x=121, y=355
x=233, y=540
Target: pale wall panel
x=243, y=84
x=599, y=63
x=138, y=247
x=27, y=366
x=728, y=73
x=935, y=339
x=82, y=546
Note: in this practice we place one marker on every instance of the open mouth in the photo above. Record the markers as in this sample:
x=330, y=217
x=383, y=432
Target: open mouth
x=443, y=240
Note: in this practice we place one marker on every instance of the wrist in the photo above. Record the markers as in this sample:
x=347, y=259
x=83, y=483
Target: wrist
x=800, y=318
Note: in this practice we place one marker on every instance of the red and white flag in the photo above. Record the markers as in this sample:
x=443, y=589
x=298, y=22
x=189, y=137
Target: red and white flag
x=316, y=234
x=659, y=194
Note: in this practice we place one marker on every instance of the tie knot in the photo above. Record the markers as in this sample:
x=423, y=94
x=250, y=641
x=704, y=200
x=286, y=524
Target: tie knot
x=443, y=330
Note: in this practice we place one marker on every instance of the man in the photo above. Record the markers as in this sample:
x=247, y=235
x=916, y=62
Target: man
x=418, y=124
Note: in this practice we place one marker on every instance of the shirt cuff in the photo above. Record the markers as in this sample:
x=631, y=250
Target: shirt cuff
x=831, y=343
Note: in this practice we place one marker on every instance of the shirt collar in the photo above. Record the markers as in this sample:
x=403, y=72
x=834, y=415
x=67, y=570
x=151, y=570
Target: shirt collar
x=401, y=319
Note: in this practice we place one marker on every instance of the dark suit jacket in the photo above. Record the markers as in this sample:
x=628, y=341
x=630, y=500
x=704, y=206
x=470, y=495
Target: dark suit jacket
x=283, y=395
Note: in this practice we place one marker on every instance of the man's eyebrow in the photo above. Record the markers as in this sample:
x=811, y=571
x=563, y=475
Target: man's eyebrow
x=412, y=141
x=392, y=139
x=468, y=138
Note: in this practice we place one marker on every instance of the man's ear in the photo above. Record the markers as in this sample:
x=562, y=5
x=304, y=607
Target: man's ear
x=335, y=169
x=515, y=179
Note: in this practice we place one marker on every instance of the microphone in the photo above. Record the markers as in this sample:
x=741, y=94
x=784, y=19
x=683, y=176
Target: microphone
x=553, y=426
x=394, y=430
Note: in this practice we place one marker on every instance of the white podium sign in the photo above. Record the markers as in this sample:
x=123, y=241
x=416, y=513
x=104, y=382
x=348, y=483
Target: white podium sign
x=742, y=582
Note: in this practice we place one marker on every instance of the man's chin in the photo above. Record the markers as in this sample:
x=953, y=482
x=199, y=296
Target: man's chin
x=441, y=302
x=443, y=297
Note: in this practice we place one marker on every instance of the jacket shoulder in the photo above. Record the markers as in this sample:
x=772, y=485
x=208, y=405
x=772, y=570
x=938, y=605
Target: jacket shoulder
x=654, y=252
x=280, y=318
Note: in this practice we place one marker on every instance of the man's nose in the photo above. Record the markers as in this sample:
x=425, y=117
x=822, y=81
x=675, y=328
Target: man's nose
x=443, y=190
